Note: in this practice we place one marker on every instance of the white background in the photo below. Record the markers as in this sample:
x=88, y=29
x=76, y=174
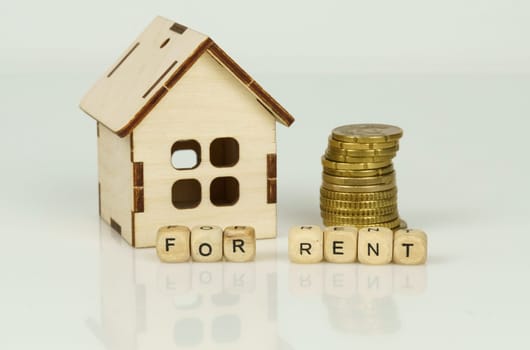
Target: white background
x=453, y=74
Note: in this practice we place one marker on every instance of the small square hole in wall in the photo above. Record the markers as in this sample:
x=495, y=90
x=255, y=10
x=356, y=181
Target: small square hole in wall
x=224, y=152
x=186, y=194
x=185, y=154
x=224, y=191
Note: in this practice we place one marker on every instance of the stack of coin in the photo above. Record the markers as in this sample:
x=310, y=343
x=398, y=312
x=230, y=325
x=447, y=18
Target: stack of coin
x=358, y=181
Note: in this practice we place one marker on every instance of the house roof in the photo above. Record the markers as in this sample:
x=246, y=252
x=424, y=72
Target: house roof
x=150, y=67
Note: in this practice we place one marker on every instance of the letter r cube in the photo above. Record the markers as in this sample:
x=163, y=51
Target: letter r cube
x=239, y=243
x=306, y=244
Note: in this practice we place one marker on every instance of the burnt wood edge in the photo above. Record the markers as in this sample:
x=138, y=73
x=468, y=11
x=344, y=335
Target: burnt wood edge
x=209, y=45
x=271, y=178
x=271, y=191
x=138, y=174
x=133, y=231
x=162, y=91
x=115, y=226
x=138, y=203
x=271, y=165
x=285, y=117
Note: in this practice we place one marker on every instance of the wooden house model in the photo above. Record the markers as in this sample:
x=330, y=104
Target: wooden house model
x=174, y=92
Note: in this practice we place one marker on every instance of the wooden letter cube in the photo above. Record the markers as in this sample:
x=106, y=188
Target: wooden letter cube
x=207, y=243
x=375, y=245
x=410, y=247
x=239, y=243
x=340, y=244
x=173, y=243
x=306, y=244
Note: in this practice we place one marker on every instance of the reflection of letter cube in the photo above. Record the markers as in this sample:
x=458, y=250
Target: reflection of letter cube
x=207, y=243
x=340, y=244
x=173, y=243
x=239, y=243
x=306, y=244
x=410, y=247
x=375, y=245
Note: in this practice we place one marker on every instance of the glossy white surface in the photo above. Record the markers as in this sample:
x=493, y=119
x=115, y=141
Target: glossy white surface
x=69, y=281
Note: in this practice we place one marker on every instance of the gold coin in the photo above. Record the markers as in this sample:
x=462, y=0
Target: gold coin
x=360, y=146
x=360, y=173
x=402, y=225
x=360, y=212
x=364, y=189
x=367, y=133
x=347, y=159
x=393, y=224
x=359, y=181
x=363, y=152
x=337, y=203
x=359, y=220
x=354, y=166
x=353, y=196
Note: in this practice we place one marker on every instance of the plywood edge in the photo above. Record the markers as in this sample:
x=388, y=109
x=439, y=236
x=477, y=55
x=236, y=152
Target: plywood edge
x=162, y=91
x=280, y=113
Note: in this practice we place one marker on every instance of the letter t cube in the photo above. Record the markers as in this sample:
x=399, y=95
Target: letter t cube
x=239, y=243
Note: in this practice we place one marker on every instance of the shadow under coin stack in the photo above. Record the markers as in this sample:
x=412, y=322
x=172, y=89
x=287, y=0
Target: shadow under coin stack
x=358, y=181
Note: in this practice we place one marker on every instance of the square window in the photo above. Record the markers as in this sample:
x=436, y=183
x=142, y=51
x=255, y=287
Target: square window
x=186, y=194
x=224, y=191
x=185, y=154
x=224, y=152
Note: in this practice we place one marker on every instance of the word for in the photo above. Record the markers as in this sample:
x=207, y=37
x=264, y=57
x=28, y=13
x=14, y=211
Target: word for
x=345, y=244
x=206, y=243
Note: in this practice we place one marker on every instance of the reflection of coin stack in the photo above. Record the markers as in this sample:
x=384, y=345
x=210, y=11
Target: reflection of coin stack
x=359, y=182
x=362, y=315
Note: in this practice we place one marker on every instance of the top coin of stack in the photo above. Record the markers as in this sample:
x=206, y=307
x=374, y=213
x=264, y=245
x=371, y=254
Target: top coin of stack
x=358, y=181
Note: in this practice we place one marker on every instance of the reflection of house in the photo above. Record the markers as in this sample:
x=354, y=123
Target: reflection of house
x=148, y=305
x=172, y=93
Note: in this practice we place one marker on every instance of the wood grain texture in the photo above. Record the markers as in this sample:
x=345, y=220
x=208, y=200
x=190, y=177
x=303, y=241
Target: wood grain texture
x=122, y=98
x=306, y=244
x=173, y=244
x=272, y=105
x=206, y=243
x=410, y=247
x=115, y=178
x=340, y=244
x=178, y=28
x=116, y=98
x=375, y=245
x=239, y=243
x=271, y=178
x=208, y=103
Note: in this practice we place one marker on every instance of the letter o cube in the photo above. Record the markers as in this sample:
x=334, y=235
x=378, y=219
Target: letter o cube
x=239, y=243
x=410, y=247
x=206, y=243
x=340, y=244
x=173, y=243
x=306, y=244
